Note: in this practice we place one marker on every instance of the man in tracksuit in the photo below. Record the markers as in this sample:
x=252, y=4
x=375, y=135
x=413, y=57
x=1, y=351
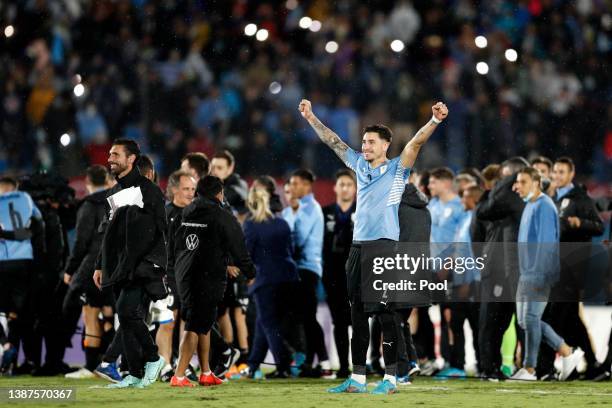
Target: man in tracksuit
x=207, y=237
x=133, y=259
x=307, y=231
x=579, y=222
x=337, y=243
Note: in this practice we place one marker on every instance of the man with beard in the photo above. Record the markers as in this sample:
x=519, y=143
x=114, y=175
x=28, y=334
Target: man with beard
x=133, y=259
x=380, y=184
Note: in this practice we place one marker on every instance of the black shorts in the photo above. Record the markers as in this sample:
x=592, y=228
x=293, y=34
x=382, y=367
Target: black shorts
x=15, y=285
x=199, y=318
x=235, y=296
x=99, y=298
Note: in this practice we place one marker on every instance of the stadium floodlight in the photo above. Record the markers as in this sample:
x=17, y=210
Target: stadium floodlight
x=79, y=90
x=65, y=139
x=397, y=45
x=9, y=31
x=481, y=41
x=511, y=55
x=275, y=88
x=482, y=68
x=315, y=26
x=250, y=30
x=291, y=4
x=262, y=35
x=331, y=47
x=305, y=22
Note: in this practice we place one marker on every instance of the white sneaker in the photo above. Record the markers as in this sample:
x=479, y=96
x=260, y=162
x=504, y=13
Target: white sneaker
x=569, y=364
x=523, y=375
x=81, y=374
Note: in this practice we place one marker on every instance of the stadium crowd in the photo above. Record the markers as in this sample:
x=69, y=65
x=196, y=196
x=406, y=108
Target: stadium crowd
x=181, y=76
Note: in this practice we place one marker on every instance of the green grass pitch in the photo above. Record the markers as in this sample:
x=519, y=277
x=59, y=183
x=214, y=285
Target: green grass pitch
x=424, y=392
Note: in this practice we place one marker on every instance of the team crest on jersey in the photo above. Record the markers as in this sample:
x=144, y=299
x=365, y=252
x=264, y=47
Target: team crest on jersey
x=383, y=169
x=192, y=242
x=448, y=212
x=564, y=203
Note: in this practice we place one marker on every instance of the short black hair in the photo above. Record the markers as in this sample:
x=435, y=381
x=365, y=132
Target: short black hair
x=568, y=161
x=145, y=164
x=515, y=164
x=543, y=160
x=304, y=174
x=9, y=180
x=199, y=162
x=97, y=175
x=474, y=172
x=209, y=186
x=227, y=155
x=130, y=146
x=442, y=173
x=268, y=182
x=346, y=173
x=383, y=131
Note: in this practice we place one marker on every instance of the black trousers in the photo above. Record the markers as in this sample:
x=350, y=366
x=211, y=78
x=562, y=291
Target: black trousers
x=460, y=312
x=138, y=345
x=494, y=319
x=315, y=341
x=424, y=338
x=406, y=350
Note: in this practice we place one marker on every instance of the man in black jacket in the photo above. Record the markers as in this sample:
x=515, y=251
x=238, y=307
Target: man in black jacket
x=80, y=267
x=579, y=223
x=207, y=236
x=337, y=241
x=503, y=209
x=133, y=259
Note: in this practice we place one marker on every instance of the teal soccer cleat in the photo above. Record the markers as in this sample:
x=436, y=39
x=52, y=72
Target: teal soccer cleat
x=385, y=387
x=350, y=386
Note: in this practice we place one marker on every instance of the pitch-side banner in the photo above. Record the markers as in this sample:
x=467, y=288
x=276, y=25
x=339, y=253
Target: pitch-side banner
x=425, y=273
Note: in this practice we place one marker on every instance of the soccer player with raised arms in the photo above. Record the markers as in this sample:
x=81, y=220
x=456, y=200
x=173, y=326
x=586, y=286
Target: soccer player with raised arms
x=380, y=184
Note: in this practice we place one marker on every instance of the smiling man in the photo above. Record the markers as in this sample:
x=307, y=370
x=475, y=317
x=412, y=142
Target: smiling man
x=380, y=185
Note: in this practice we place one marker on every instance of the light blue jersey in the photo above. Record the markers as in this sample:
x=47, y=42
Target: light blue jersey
x=463, y=248
x=379, y=192
x=16, y=211
x=445, y=219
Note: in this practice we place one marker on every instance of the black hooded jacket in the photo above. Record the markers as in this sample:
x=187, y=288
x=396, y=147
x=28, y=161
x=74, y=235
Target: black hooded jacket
x=207, y=237
x=134, y=234
x=235, y=190
x=414, y=217
x=503, y=208
x=82, y=261
x=577, y=203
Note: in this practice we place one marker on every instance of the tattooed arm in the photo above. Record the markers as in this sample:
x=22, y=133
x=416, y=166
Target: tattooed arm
x=411, y=151
x=325, y=134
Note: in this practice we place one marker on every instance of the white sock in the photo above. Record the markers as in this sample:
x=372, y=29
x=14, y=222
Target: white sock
x=360, y=378
x=180, y=378
x=325, y=365
x=166, y=368
x=207, y=372
x=391, y=378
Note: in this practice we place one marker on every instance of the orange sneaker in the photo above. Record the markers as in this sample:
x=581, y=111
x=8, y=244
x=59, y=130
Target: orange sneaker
x=175, y=382
x=210, y=380
x=232, y=373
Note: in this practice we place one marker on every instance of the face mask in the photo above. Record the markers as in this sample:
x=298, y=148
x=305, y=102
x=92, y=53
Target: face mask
x=528, y=197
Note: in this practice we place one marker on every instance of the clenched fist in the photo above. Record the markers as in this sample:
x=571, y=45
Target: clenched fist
x=305, y=109
x=440, y=111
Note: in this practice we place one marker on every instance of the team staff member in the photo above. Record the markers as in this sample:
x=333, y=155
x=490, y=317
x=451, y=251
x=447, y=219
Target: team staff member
x=132, y=261
x=81, y=264
x=207, y=236
x=336, y=246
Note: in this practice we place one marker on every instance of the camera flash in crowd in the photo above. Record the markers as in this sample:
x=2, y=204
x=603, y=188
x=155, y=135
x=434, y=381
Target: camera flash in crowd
x=65, y=139
x=250, y=30
x=9, y=31
x=262, y=35
x=397, y=45
x=482, y=68
x=481, y=41
x=305, y=22
x=511, y=55
x=79, y=90
x=331, y=47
